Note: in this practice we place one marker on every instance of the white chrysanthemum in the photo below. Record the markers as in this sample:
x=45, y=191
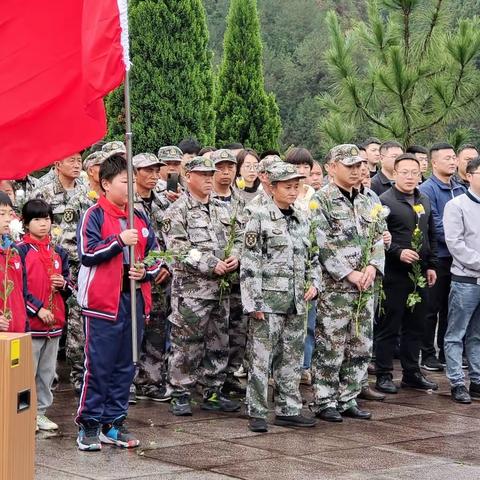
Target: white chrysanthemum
x=16, y=229
x=194, y=255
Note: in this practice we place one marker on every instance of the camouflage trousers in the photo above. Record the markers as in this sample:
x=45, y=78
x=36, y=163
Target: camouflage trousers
x=277, y=344
x=151, y=366
x=237, y=333
x=342, y=354
x=199, y=343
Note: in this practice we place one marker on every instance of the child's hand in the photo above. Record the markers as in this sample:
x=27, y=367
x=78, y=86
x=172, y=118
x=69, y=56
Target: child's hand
x=46, y=316
x=129, y=237
x=57, y=281
x=4, y=324
x=137, y=273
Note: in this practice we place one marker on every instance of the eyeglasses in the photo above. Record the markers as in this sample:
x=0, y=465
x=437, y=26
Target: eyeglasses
x=474, y=173
x=405, y=173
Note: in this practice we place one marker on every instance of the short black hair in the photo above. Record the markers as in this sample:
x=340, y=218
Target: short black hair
x=205, y=150
x=416, y=149
x=436, y=147
x=5, y=200
x=405, y=156
x=473, y=165
x=368, y=141
x=466, y=146
x=267, y=153
x=390, y=144
x=189, y=146
x=298, y=156
x=361, y=146
x=233, y=146
x=111, y=167
x=36, y=208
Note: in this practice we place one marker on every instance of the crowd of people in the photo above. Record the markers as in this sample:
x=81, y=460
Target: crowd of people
x=281, y=269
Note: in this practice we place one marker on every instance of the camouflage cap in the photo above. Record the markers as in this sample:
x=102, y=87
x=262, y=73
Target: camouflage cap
x=200, y=164
x=112, y=148
x=143, y=160
x=267, y=162
x=347, y=154
x=170, y=154
x=223, y=155
x=95, y=158
x=282, y=171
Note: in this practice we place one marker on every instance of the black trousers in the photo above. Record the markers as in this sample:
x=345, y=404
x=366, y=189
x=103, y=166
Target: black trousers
x=437, y=311
x=398, y=319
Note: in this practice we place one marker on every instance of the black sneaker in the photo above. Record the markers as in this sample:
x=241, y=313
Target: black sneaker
x=432, y=364
x=257, y=424
x=418, y=381
x=216, y=401
x=132, y=396
x=464, y=364
x=116, y=433
x=475, y=390
x=154, y=393
x=460, y=394
x=180, y=406
x=88, y=439
x=294, y=421
x=329, y=414
x=234, y=385
x=385, y=384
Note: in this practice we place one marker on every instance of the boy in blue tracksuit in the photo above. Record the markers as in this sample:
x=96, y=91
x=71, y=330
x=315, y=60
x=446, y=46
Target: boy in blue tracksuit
x=104, y=297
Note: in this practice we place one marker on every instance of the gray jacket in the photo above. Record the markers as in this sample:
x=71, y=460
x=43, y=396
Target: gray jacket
x=462, y=234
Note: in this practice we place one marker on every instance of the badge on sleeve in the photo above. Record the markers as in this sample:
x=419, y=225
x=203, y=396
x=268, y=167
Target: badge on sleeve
x=68, y=215
x=166, y=225
x=251, y=239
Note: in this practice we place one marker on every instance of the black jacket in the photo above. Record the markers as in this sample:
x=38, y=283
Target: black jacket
x=380, y=183
x=401, y=222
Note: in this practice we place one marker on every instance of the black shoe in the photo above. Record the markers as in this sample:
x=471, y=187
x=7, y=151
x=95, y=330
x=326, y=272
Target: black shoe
x=216, y=401
x=460, y=394
x=432, y=364
x=464, y=364
x=257, y=425
x=234, y=385
x=368, y=393
x=154, y=393
x=385, y=384
x=355, y=412
x=417, y=380
x=132, y=396
x=475, y=390
x=329, y=414
x=180, y=406
x=294, y=421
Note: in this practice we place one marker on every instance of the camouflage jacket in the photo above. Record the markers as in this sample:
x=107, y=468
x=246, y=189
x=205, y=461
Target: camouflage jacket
x=196, y=230
x=342, y=230
x=277, y=262
x=236, y=203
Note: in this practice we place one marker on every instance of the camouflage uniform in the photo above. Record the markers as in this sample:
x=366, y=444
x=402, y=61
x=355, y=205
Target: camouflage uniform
x=151, y=365
x=274, y=273
x=199, y=336
x=342, y=354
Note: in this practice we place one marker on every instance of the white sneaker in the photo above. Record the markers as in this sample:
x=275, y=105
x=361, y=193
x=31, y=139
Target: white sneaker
x=240, y=373
x=43, y=423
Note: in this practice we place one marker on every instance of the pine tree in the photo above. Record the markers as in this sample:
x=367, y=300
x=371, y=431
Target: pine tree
x=245, y=112
x=404, y=74
x=171, y=77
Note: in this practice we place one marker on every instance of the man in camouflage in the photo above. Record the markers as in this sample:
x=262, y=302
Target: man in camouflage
x=279, y=274
x=197, y=227
x=347, y=241
x=171, y=157
x=150, y=378
x=226, y=163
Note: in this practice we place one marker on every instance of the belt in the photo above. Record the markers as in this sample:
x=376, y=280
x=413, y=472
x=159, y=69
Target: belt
x=471, y=280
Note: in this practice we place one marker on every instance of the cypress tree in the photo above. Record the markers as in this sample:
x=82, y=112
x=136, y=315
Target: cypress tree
x=245, y=112
x=171, y=77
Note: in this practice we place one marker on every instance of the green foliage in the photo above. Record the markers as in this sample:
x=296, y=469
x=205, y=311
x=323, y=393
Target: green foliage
x=171, y=77
x=405, y=73
x=245, y=112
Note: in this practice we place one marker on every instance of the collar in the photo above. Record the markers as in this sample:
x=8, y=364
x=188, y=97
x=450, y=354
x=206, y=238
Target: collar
x=384, y=179
x=445, y=186
x=112, y=209
x=276, y=214
x=194, y=203
x=401, y=195
x=473, y=196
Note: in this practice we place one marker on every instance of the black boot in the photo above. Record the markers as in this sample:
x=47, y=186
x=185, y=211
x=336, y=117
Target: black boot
x=385, y=384
x=417, y=380
x=294, y=421
x=355, y=412
x=329, y=414
x=460, y=394
x=257, y=424
x=475, y=390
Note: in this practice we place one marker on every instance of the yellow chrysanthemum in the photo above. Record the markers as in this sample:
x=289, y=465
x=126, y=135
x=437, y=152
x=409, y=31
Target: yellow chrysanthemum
x=376, y=210
x=56, y=231
x=241, y=183
x=313, y=205
x=92, y=195
x=416, y=231
x=419, y=210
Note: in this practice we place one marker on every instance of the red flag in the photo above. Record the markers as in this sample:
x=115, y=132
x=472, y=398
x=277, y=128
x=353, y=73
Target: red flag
x=50, y=104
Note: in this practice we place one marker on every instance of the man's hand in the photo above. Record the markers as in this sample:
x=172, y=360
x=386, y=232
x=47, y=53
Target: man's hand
x=387, y=238
x=310, y=294
x=172, y=196
x=46, y=316
x=4, y=323
x=232, y=264
x=221, y=268
x=368, y=277
x=409, y=256
x=57, y=281
x=258, y=315
x=431, y=277
x=356, y=278
x=137, y=273
x=162, y=276
x=129, y=237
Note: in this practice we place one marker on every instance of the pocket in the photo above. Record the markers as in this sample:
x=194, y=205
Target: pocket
x=276, y=284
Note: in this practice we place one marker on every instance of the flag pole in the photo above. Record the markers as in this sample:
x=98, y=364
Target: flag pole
x=131, y=215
